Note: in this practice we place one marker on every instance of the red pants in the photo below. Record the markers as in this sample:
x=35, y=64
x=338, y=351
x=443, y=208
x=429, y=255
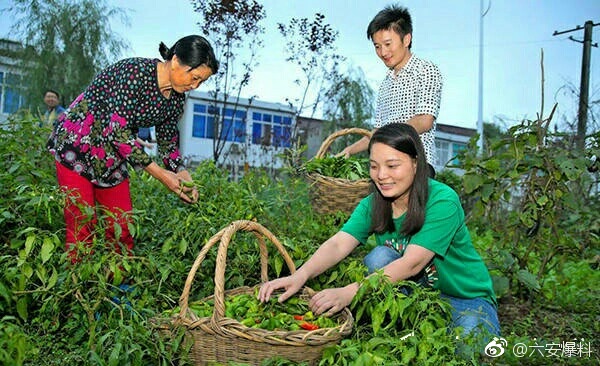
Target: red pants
x=80, y=211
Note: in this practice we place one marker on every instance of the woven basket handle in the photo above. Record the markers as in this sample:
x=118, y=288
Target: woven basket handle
x=224, y=236
x=347, y=131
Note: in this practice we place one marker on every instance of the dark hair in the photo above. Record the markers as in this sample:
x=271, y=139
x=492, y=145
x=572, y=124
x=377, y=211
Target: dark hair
x=53, y=92
x=394, y=17
x=192, y=51
x=402, y=137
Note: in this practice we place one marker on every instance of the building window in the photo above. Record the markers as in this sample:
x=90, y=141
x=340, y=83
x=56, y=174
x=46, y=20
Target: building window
x=203, y=121
x=443, y=153
x=234, y=125
x=205, y=115
x=271, y=129
x=456, y=149
x=10, y=96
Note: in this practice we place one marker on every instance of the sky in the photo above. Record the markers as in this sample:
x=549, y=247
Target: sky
x=446, y=32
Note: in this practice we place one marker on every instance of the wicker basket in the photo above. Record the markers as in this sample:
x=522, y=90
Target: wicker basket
x=221, y=339
x=329, y=194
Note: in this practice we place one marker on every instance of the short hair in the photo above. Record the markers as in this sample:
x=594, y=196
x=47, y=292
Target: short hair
x=394, y=17
x=192, y=51
x=53, y=92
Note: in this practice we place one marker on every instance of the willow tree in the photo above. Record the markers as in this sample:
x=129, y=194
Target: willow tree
x=66, y=42
x=234, y=28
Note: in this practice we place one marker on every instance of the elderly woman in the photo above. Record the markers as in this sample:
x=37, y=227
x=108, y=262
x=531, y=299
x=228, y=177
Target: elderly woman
x=95, y=139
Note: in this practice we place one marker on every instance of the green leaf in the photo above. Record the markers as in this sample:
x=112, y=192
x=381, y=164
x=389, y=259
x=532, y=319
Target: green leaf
x=29, y=243
x=278, y=265
x=183, y=245
x=166, y=247
x=472, y=182
x=542, y=200
x=27, y=270
x=22, y=307
x=501, y=285
x=528, y=279
x=52, y=280
x=47, y=249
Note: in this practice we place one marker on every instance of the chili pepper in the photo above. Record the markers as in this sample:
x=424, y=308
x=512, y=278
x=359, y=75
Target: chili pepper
x=298, y=317
x=308, y=326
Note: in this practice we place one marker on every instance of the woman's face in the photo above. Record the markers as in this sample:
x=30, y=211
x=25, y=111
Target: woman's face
x=392, y=171
x=183, y=79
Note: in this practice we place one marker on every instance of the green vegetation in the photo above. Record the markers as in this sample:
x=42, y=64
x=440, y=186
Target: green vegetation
x=351, y=168
x=532, y=214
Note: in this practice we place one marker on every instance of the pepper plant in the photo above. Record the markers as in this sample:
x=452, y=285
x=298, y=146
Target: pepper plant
x=533, y=193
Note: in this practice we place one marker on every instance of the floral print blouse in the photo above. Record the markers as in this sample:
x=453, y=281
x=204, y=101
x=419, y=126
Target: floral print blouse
x=96, y=135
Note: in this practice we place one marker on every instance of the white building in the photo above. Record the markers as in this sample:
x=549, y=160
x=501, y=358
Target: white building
x=254, y=132
x=10, y=79
x=449, y=141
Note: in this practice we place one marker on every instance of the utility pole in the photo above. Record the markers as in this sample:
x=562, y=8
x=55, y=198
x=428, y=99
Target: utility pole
x=482, y=13
x=585, y=79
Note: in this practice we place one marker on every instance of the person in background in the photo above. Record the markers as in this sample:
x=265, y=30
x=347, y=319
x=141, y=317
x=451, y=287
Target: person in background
x=412, y=89
x=53, y=107
x=94, y=141
x=419, y=226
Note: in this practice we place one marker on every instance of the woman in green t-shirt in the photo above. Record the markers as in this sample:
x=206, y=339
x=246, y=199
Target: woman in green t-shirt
x=419, y=226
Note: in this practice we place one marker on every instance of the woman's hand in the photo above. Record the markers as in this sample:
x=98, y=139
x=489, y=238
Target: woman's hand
x=189, y=188
x=180, y=183
x=344, y=153
x=291, y=284
x=332, y=300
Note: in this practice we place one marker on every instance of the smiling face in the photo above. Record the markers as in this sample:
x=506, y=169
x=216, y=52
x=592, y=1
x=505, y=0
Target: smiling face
x=391, y=48
x=392, y=171
x=50, y=99
x=184, y=79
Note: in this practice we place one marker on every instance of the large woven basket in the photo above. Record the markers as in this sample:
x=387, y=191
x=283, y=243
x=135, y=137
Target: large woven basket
x=221, y=339
x=328, y=194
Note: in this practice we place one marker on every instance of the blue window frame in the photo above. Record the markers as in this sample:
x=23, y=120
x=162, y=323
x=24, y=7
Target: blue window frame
x=271, y=129
x=10, y=92
x=203, y=121
x=205, y=115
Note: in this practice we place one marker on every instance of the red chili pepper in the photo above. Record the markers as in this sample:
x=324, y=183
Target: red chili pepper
x=308, y=326
x=298, y=317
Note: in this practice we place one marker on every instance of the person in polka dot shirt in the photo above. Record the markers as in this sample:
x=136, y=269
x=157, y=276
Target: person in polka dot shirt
x=94, y=141
x=412, y=89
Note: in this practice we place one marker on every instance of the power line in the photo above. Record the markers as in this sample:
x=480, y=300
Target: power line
x=585, y=78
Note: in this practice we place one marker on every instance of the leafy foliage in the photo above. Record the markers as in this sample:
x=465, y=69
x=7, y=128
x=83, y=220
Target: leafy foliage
x=348, y=101
x=231, y=26
x=57, y=314
x=530, y=189
x=311, y=46
x=352, y=168
x=66, y=43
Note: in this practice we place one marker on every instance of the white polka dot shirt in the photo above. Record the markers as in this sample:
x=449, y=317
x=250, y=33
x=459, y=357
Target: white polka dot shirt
x=415, y=89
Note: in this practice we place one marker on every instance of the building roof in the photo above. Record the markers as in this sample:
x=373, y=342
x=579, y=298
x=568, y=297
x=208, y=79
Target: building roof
x=247, y=102
x=8, y=52
x=455, y=130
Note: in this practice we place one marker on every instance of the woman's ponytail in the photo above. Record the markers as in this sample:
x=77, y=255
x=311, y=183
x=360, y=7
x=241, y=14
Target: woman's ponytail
x=165, y=52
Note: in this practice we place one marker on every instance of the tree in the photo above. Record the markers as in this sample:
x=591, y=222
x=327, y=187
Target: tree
x=66, y=43
x=232, y=25
x=311, y=46
x=348, y=103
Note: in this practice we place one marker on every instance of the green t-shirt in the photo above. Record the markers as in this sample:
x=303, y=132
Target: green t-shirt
x=457, y=269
